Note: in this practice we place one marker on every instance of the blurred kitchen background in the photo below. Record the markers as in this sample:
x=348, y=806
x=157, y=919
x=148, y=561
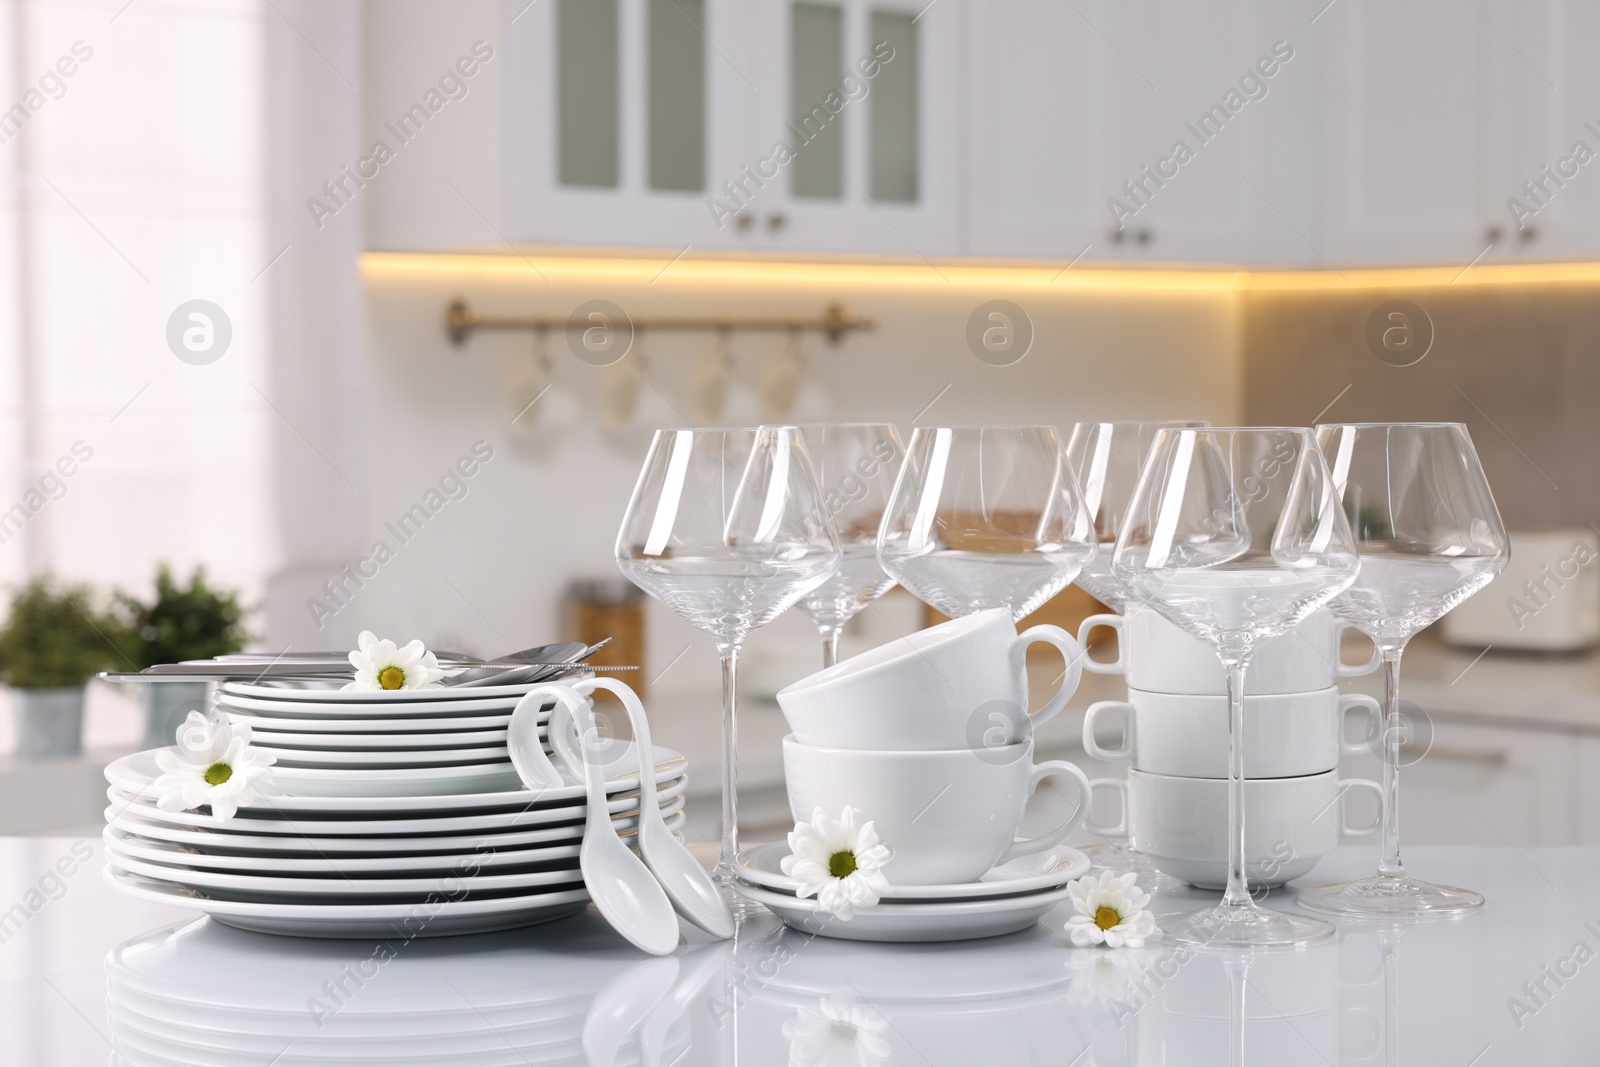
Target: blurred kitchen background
x=1240, y=211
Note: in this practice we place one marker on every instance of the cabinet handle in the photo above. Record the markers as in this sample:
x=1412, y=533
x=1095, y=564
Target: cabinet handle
x=1483, y=757
x=776, y=221
x=744, y=220
x=1492, y=235
x=1528, y=233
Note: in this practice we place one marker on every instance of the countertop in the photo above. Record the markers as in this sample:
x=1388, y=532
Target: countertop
x=86, y=971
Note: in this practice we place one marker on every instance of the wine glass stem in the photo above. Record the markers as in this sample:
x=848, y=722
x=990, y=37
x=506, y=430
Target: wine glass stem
x=1393, y=733
x=730, y=767
x=1238, y=892
x=830, y=644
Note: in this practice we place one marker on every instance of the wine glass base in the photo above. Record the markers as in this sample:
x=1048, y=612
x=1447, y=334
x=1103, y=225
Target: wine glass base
x=1119, y=857
x=1227, y=926
x=1390, y=897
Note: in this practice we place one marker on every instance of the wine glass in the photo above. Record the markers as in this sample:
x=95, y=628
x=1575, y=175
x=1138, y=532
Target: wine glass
x=1236, y=534
x=985, y=517
x=1106, y=458
x=856, y=464
x=1429, y=536
x=727, y=528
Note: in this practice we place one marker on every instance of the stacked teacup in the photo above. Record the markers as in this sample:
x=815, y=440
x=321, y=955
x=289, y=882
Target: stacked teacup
x=1174, y=728
x=929, y=738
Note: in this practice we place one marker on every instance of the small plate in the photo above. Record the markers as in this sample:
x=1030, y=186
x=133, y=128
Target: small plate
x=920, y=921
x=393, y=759
x=281, y=694
x=403, y=782
x=363, y=921
x=383, y=726
x=1050, y=869
x=331, y=742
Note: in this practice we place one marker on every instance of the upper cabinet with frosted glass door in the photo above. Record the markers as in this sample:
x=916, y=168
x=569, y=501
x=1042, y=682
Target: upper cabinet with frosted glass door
x=859, y=127
x=624, y=115
x=831, y=125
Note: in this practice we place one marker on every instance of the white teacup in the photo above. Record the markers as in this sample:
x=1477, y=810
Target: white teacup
x=1158, y=656
x=948, y=687
x=1290, y=823
x=947, y=816
x=1288, y=734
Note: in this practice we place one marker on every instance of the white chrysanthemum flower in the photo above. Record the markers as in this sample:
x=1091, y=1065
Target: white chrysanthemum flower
x=838, y=862
x=837, y=1033
x=213, y=764
x=1110, y=911
x=380, y=665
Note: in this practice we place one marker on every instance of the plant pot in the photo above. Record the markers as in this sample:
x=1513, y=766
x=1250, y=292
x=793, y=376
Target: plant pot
x=166, y=705
x=49, y=722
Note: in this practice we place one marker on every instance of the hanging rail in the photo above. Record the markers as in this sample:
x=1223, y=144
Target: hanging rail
x=461, y=321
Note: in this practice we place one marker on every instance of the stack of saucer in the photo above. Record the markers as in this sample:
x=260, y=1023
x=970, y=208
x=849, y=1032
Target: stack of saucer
x=330, y=741
x=929, y=739
x=371, y=866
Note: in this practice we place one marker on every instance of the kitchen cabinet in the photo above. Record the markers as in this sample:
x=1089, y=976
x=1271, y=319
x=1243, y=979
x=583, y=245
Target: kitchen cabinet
x=826, y=125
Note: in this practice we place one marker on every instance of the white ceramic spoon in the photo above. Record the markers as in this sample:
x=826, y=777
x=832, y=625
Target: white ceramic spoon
x=687, y=884
x=621, y=886
x=622, y=1005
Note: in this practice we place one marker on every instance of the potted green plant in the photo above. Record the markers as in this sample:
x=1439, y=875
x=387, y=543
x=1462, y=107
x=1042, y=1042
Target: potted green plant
x=182, y=622
x=55, y=639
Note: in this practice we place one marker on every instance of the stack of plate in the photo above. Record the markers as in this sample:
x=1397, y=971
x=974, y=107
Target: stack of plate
x=1010, y=897
x=203, y=994
x=367, y=743
x=368, y=866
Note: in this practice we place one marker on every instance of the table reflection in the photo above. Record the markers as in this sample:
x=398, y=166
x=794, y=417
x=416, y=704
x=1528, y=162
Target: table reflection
x=573, y=992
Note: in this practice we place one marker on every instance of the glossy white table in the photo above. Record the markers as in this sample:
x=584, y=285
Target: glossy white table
x=83, y=968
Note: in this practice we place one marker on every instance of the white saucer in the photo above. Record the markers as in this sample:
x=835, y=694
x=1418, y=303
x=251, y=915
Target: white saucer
x=405, y=782
x=1050, y=869
x=447, y=917
x=398, y=759
x=957, y=921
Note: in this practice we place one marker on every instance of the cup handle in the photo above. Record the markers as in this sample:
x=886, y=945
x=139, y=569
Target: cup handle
x=1087, y=627
x=1347, y=784
x=1374, y=725
x=1092, y=747
x=1352, y=670
x=1053, y=769
x=1120, y=787
x=1063, y=643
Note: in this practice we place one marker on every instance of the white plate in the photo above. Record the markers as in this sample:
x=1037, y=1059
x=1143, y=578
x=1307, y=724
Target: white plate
x=379, y=725
x=963, y=921
x=375, y=742
x=407, y=782
x=303, y=889
x=281, y=694
x=310, y=758
x=134, y=774
x=1028, y=874
x=338, y=848
x=295, y=825
x=555, y=843
x=448, y=917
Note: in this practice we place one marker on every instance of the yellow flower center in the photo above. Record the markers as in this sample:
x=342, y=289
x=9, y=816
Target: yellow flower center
x=218, y=773
x=391, y=678
x=1105, y=918
x=842, y=864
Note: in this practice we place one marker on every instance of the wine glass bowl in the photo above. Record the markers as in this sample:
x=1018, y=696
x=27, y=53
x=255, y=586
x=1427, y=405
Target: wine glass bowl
x=1430, y=536
x=985, y=517
x=1235, y=535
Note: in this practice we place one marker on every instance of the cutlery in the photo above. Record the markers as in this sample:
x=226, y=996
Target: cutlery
x=619, y=883
x=687, y=885
x=527, y=753
x=548, y=655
